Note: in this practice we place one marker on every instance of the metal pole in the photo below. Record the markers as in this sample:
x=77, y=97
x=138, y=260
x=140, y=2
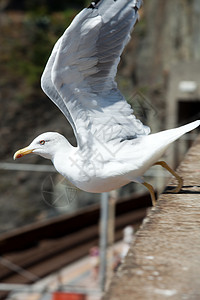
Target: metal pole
x=111, y=235
x=103, y=240
x=26, y=167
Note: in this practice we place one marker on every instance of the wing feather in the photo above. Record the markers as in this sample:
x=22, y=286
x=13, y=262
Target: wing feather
x=80, y=74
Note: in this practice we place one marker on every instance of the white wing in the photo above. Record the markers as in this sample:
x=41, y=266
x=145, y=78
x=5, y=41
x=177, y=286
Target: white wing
x=80, y=74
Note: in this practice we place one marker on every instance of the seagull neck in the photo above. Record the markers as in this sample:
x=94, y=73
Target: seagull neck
x=62, y=149
x=61, y=155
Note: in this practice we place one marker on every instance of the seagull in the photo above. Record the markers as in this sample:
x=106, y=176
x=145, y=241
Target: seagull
x=113, y=147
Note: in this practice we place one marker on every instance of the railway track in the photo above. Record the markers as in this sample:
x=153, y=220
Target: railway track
x=45, y=247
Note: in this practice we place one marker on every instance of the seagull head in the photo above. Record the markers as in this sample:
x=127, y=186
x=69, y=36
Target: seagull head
x=46, y=145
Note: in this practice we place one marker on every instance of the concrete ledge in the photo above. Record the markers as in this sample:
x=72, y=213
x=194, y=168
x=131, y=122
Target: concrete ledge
x=164, y=261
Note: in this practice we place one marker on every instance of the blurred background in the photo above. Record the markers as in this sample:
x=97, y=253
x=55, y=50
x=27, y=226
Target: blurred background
x=164, y=49
x=159, y=74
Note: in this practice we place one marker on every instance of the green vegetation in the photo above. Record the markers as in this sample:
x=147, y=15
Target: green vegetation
x=28, y=38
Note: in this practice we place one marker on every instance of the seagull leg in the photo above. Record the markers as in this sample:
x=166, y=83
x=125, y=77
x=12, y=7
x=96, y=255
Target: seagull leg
x=151, y=191
x=179, y=179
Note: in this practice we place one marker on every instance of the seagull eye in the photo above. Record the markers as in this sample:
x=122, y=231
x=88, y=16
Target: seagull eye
x=42, y=142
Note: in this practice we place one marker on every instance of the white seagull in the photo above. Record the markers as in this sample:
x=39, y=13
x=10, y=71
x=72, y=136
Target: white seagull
x=113, y=147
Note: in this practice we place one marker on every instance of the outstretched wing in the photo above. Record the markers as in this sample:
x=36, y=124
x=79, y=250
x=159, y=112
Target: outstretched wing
x=80, y=74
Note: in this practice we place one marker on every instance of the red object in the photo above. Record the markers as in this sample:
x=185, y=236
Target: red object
x=68, y=296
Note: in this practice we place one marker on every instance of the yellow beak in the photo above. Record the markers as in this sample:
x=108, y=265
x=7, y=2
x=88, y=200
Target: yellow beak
x=22, y=152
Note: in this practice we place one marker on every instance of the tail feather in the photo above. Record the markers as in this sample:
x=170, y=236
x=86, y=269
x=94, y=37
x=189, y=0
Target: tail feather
x=160, y=141
x=175, y=133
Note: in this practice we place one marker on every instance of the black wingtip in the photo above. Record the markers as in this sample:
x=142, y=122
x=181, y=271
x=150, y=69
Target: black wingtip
x=94, y=4
x=137, y=5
